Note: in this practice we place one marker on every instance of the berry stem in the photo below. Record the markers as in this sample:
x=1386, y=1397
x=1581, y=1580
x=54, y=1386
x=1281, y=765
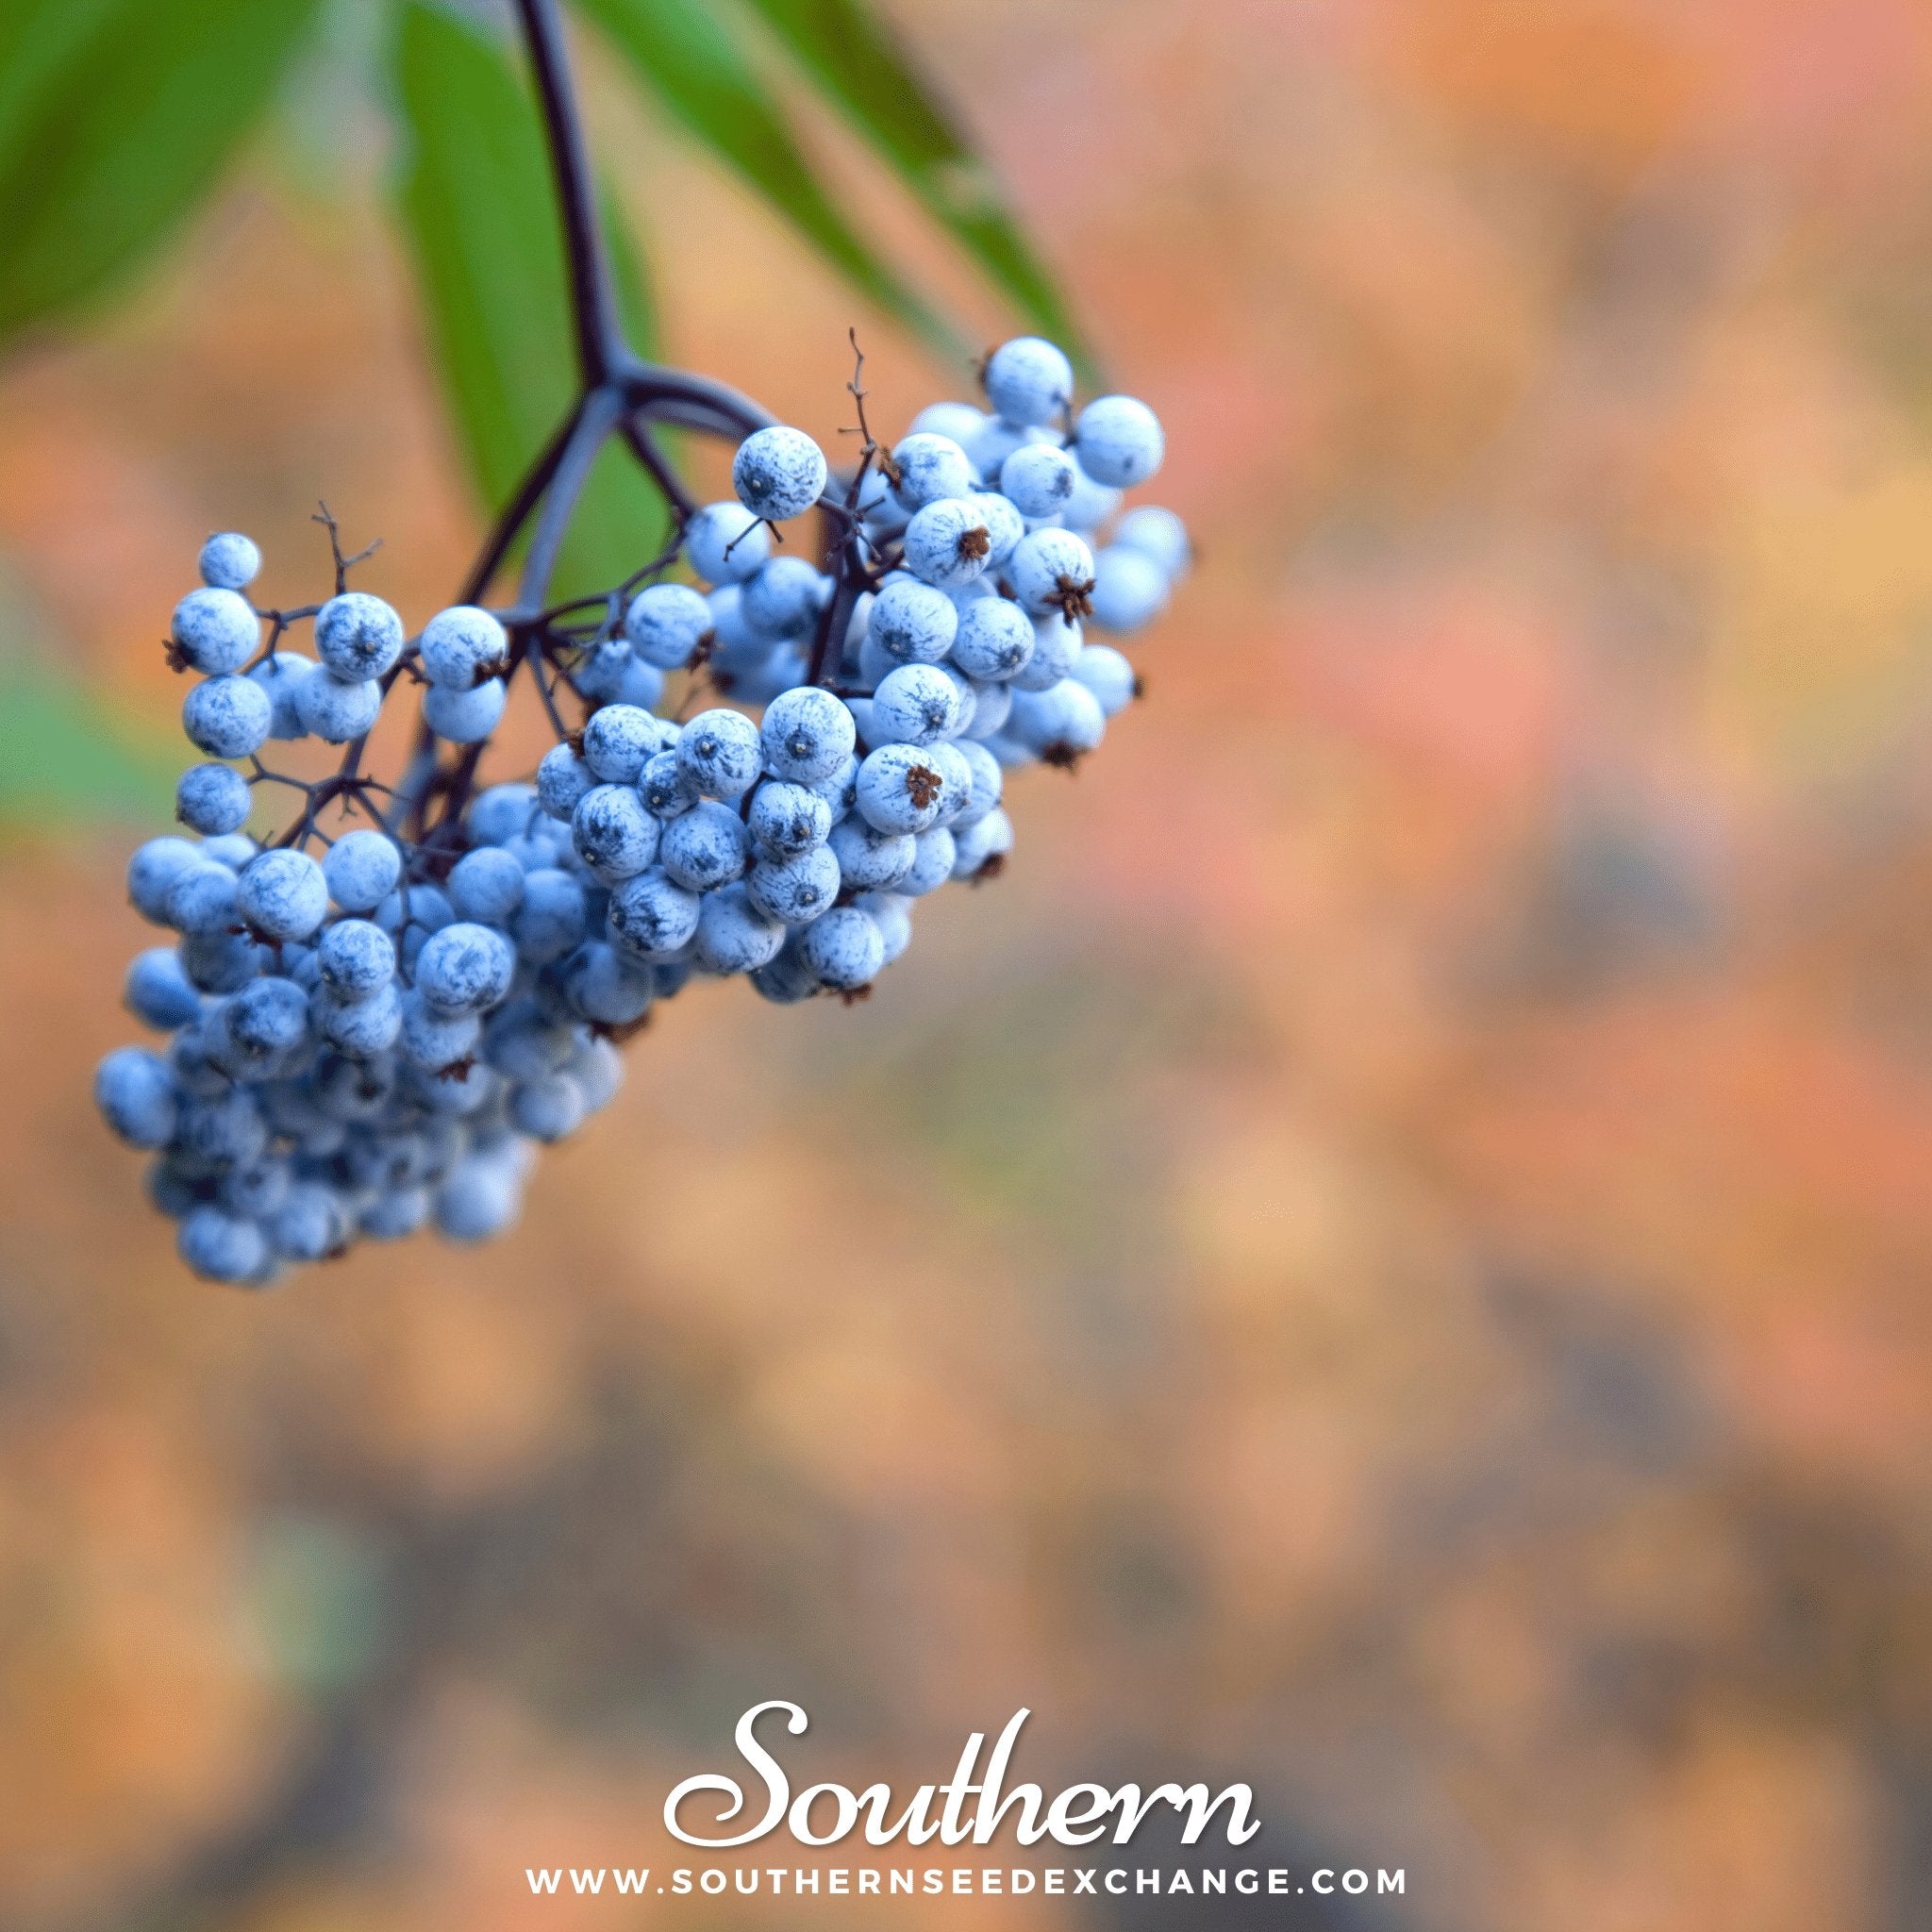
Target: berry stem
x=593, y=309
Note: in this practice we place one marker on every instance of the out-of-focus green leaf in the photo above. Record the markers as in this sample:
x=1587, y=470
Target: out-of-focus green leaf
x=66, y=757
x=115, y=119
x=686, y=52
x=475, y=196
x=856, y=59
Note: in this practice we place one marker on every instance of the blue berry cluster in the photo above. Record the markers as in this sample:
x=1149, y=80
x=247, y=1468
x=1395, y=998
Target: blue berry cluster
x=373, y=1026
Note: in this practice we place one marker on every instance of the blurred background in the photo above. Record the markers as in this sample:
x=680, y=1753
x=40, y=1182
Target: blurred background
x=1386, y=1258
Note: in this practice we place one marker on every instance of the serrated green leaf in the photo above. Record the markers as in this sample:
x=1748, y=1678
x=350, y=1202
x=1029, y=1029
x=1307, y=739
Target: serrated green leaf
x=687, y=54
x=116, y=117
x=474, y=193
x=858, y=62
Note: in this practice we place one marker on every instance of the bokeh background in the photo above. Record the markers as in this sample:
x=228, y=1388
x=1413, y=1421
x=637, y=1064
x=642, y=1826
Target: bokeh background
x=1386, y=1258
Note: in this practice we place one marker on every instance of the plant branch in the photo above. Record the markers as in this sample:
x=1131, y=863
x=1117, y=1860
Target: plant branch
x=593, y=309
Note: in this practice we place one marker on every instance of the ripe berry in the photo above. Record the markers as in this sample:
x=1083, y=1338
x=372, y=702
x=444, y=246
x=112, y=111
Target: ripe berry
x=214, y=631
x=1119, y=442
x=806, y=734
x=212, y=799
x=845, y=949
x=778, y=472
x=1028, y=381
x=725, y=543
x=357, y=636
x=666, y=622
x=931, y=467
x=226, y=717
x=461, y=646
x=229, y=561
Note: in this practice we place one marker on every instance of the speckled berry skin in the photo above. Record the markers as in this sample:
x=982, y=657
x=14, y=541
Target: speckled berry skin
x=956, y=775
x=204, y=898
x=361, y=868
x=1047, y=567
x=354, y=957
x=605, y=986
x=1119, y=442
x=214, y=631
x=994, y=641
x=784, y=599
x=806, y=734
x=912, y=621
x=465, y=716
x=357, y=636
x=1039, y=481
x=362, y=1027
x=704, y=848
x=663, y=787
x=619, y=739
x=284, y=895
x=652, y=916
x=947, y=543
x=1129, y=589
x=156, y=991
x=719, y=751
x=1005, y=526
x=916, y=705
x=869, y=858
x=786, y=979
x=501, y=812
x=725, y=543
x=487, y=886
x=427, y=1038
x=732, y=934
x=229, y=561
x=135, y=1093
x=465, y=968
x=563, y=778
x=612, y=833
x=212, y=799
x=931, y=467
x=985, y=781
x=778, y=472
x=1056, y=646
x=797, y=889
x=226, y=717
x=787, y=819
x=844, y=950
x=334, y=710
x=666, y=622
x=461, y=646
x=1028, y=381
x=899, y=789
x=280, y=675
x=932, y=866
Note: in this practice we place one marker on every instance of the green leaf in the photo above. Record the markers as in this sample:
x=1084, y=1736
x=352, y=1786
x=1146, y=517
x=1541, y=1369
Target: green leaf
x=116, y=117
x=476, y=205
x=856, y=59
x=688, y=56
x=67, y=758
